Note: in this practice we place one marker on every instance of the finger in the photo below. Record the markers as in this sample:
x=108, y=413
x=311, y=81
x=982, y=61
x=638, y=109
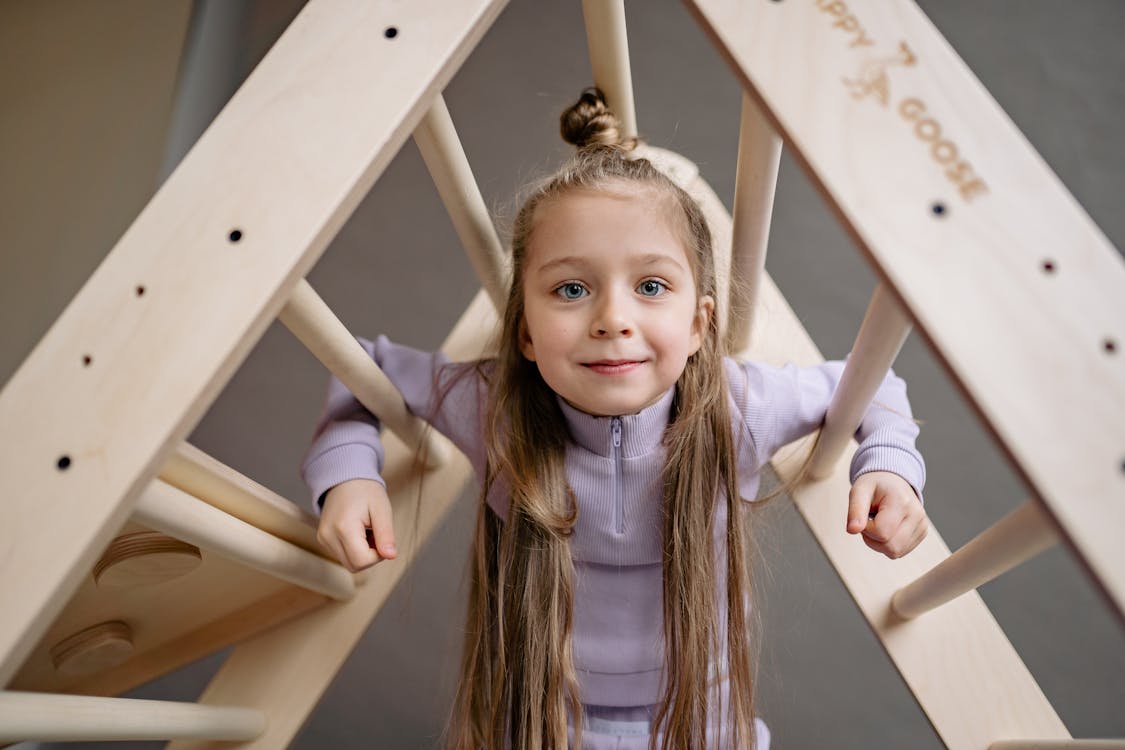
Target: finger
x=908, y=536
x=893, y=549
x=382, y=529
x=919, y=534
x=887, y=523
x=353, y=537
x=879, y=547
x=332, y=545
x=859, y=506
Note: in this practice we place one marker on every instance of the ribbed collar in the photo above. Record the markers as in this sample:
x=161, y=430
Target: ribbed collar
x=641, y=433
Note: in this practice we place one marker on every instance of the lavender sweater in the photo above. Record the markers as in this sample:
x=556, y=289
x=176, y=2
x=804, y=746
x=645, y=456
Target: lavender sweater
x=614, y=465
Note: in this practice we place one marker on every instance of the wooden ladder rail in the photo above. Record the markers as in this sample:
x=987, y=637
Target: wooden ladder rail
x=944, y=196
x=238, y=225
x=241, y=220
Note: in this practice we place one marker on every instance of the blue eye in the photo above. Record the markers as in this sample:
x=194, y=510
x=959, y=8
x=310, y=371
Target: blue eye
x=571, y=290
x=651, y=288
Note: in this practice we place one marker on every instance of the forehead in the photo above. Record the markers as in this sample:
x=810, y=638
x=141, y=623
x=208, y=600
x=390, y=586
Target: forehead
x=614, y=221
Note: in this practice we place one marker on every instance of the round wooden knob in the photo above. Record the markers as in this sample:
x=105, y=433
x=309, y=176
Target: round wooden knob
x=143, y=558
x=91, y=650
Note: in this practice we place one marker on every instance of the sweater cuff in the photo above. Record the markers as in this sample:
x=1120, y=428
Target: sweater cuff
x=339, y=464
x=906, y=464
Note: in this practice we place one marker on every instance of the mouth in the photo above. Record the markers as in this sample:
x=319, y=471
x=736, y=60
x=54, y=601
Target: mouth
x=613, y=366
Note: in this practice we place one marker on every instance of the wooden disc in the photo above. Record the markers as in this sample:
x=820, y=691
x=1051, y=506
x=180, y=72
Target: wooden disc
x=144, y=558
x=96, y=648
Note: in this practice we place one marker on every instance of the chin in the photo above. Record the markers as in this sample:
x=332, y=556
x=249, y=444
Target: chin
x=615, y=410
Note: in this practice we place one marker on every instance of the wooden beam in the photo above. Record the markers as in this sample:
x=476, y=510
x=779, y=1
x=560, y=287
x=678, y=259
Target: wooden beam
x=311, y=320
x=66, y=718
x=880, y=338
x=153, y=336
x=1011, y=541
x=1020, y=295
x=182, y=516
x=199, y=474
x=956, y=660
x=755, y=183
x=449, y=167
x=276, y=672
x=608, y=44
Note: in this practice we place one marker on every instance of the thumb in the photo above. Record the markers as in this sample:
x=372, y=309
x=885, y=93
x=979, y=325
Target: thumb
x=859, y=504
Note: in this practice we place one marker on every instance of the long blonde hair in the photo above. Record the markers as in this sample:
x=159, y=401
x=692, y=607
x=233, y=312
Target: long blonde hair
x=518, y=683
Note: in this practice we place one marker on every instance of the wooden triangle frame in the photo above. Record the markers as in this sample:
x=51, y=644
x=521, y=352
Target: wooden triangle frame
x=976, y=242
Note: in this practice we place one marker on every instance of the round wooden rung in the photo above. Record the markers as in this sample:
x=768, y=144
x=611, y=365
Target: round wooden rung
x=96, y=648
x=144, y=558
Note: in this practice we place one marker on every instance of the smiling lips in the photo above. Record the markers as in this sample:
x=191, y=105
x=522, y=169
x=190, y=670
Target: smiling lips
x=613, y=366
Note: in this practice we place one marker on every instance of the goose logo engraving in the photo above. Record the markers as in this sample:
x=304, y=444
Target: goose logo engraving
x=873, y=81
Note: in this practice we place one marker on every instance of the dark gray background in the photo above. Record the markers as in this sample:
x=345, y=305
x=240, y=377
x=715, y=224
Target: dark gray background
x=1057, y=68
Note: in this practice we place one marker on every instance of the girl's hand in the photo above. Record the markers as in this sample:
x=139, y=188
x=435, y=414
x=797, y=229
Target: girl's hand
x=899, y=521
x=350, y=509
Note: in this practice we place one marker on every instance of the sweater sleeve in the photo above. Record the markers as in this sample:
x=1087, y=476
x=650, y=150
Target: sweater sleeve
x=782, y=404
x=346, y=444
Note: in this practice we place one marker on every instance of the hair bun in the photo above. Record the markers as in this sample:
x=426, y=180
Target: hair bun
x=590, y=122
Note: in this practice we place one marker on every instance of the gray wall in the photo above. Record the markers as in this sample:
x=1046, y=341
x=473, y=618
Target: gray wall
x=824, y=681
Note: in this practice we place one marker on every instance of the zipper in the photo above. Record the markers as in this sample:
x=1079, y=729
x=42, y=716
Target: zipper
x=619, y=499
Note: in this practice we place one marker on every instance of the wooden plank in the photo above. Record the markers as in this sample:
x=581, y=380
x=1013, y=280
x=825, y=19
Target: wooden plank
x=889, y=123
x=205, y=640
x=957, y=662
x=124, y=374
x=277, y=672
x=179, y=620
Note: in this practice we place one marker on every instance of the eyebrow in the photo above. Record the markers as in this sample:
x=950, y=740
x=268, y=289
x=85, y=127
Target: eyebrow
x=574, y=260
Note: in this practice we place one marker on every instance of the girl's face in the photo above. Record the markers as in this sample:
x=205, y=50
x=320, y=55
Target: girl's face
x=611, y=312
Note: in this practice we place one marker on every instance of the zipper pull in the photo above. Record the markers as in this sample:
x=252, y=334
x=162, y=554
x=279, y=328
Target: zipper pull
x=617, y=432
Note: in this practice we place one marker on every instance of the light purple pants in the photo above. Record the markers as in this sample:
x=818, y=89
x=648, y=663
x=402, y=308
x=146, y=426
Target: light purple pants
x=628, y=728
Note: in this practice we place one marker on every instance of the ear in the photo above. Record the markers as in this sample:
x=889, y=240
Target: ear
x=703, y=312
x=526, y=347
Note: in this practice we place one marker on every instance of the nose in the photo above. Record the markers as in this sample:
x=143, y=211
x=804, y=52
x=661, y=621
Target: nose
x=611, y=318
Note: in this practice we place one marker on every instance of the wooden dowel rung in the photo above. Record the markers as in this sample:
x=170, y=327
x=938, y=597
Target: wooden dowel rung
x=1014, y=539
x=759, y=155
x=314, y=324
x=609, y=58
x=199, y=474
x=49, y=717
x=444, y=155
x=176, y=513
x=881, y=336
x=1115, y=744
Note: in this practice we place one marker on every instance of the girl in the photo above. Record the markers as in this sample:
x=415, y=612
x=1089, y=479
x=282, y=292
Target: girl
x=616, y=446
